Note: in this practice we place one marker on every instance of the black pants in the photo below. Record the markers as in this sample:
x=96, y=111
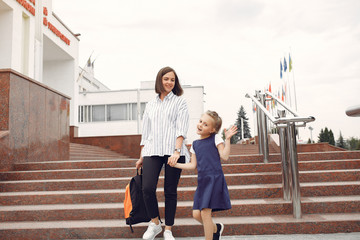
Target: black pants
x=151, y=171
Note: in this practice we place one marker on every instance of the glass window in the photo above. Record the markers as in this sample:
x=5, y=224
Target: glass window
x=98, y=113
x=116, y=112
x=133, y=111
x=80, y=114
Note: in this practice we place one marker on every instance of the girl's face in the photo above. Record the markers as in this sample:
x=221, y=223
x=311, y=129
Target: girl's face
x=205, y=126
x=168, y=82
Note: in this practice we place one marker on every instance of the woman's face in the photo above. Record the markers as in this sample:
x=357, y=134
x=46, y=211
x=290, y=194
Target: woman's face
x=168, y=82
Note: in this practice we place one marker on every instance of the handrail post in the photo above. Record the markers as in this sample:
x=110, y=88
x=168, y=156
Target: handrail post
x=296, y=196
x=284, y=159
x=259, y=126
x=265, y=144
x=287, y=134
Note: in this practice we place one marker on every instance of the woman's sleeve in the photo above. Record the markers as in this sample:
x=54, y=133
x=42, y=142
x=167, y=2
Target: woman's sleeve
x=145, y=126
x=182, y=120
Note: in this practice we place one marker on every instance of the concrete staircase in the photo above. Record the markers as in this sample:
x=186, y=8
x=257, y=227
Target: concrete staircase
x=82, y=199
x=87, y=152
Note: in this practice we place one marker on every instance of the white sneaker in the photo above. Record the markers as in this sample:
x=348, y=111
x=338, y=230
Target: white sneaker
x=152, y=231
x=168, y=235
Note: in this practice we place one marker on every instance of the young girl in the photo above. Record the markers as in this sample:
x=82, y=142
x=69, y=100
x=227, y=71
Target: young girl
x=212, y=193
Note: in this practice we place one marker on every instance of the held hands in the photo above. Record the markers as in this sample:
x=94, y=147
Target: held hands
x=172, y=160
x=230, y=132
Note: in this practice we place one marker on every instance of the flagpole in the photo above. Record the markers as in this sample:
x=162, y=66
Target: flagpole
x=290, y=69
x=293, y=80
x=288, y=81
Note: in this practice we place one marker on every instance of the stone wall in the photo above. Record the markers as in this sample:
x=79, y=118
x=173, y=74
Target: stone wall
x=34, y=121
x=128, y=145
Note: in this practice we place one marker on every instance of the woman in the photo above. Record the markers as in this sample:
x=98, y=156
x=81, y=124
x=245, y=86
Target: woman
x=165, y=124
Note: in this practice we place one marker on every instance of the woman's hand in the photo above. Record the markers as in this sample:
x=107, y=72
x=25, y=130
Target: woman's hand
x=172, y=160
x=139, y=163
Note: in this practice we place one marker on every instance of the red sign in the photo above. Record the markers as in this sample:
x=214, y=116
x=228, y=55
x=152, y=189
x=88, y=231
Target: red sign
x=27, y=6
x=52, y=28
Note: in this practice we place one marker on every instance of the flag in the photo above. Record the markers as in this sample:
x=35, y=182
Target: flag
x=270, y=87
x=285, y=66
x=280, y=69
x=290, y=63
x=283, y=94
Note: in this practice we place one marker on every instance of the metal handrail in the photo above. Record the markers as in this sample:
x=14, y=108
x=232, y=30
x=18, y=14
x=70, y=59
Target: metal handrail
x=281, y=120
x=258, y=104
x=282, y=104
x=287, y=132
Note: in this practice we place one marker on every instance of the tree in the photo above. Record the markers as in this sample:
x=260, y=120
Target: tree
x=326, y=136
x=340, y=142
x=331, y=138
x=242, y=118
x=354, y=143
x=321, y=136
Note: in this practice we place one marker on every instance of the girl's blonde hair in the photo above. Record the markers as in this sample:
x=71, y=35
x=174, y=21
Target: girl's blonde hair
x=217, y=119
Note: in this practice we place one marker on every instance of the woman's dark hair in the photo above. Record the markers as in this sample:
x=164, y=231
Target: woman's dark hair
x=159, y=88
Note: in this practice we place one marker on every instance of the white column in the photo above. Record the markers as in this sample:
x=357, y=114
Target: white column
x=38, y=63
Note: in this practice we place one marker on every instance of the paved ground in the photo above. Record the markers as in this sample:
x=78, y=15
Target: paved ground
x=336, y=236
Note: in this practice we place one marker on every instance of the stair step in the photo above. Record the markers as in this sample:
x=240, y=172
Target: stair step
x=129, y=171
x=248, y=207
x=82, y=198
x=185, y=227
x=185, y=180
x=318, y=156
x=184, y=193
x=75, y=164
x=88, y=152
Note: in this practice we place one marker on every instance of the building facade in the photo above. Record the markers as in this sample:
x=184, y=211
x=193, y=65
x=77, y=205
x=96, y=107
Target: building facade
x=36, y=43
x=120, y=112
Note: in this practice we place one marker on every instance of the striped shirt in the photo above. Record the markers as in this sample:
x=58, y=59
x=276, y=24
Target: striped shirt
x=163, y=122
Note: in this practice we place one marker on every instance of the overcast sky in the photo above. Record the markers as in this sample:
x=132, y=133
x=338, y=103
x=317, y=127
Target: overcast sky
x=230, y=47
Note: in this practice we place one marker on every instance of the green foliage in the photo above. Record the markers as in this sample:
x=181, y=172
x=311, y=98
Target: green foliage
x=341, y=142
x=242, y=117
x=326, y=136
x=331, y=138
x=354, y=143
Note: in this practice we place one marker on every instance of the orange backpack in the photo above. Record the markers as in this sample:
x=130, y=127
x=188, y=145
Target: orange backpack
x=134, y=206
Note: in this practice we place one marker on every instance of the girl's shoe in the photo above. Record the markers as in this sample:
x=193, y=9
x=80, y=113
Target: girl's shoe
x=152, y=231
x=168, y=235
x=220, y=229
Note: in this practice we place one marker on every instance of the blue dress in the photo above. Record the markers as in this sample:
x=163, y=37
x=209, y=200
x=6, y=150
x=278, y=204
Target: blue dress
x=212, y=191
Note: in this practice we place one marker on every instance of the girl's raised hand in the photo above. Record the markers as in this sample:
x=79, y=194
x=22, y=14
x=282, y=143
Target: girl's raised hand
x=230, y=132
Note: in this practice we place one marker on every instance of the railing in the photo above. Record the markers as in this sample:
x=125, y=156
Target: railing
x=287, y=135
